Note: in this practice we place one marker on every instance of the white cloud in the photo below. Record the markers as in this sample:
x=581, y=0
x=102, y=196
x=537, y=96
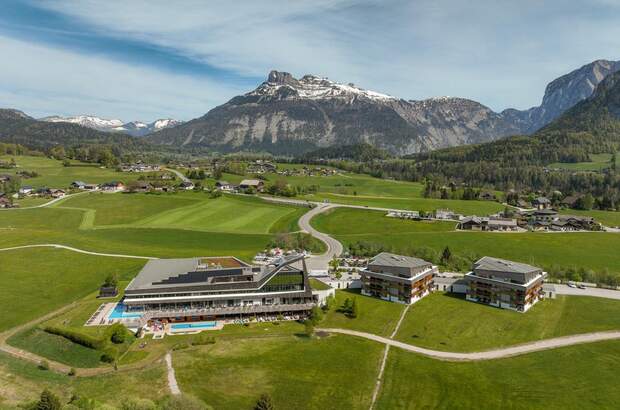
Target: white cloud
x=499, y=53
x=44, y=81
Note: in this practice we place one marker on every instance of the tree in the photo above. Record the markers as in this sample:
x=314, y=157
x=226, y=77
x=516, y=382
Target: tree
x=354, y=309
x=111, y=280
x=264, y=403
x=446, y=255
x=118, y=333
x=48, y=401
x=316, y=315
x=309, y=327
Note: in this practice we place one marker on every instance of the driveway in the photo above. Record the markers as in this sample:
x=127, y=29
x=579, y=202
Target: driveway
x=596, y=292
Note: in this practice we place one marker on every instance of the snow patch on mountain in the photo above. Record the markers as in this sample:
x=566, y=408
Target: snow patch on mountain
x=134, y=128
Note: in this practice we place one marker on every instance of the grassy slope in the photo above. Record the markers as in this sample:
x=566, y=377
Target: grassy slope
x=22, y=381
x=578, y=377
x=36, y=281
x=589, y=250
x=444, y=322
x=375, y=315
x=54, y=175
x=598, y=163
x=298, y=373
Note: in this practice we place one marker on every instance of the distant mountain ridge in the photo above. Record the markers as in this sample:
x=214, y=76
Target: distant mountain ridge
x=133, y=128
x=17, y=127
x=289, y=115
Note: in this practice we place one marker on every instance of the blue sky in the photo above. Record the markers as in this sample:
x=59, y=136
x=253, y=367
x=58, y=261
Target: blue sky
x=153, y=59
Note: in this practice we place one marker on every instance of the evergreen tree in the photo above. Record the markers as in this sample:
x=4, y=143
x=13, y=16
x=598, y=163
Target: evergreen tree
x=48, y=401
x=354, y=309
x=264, y=403
x=446, y=255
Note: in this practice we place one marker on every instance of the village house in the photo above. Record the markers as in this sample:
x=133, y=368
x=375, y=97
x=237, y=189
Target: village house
x=255, y=184
x=397, y=278
x=505, y=284
x=225, y=186
x=84, y=186
x=26, y=190
x=5, y=202
x=477, y=223
x=541, y=203
x=571, y=201
x=114, y=186
x=187, y=185
x=447, y=214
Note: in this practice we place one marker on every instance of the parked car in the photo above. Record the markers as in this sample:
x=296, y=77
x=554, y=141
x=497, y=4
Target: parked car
x=581, y=286
x=571, y=285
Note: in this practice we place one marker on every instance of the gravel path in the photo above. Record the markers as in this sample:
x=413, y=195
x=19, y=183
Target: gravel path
x=172, y=380
x=489, y=354
x=70, y=248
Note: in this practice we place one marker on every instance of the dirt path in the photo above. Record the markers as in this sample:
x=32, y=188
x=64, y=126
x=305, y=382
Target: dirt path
x=172, y=380
x=379, y=383
x=70, y=248
x=489, y=354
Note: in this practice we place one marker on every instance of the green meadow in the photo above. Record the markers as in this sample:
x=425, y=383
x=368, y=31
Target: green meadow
x=590, y=250
x=577, y=377
x=294, y=370
x=446, y=322
x=53, y=174
x=598, y=162
x=34, y=282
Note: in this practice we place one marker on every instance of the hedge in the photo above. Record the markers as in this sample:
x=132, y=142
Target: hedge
x=77, y=337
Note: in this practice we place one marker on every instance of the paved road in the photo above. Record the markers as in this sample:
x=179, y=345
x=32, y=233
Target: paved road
x=179, y=174
x=489, y=354
x=596, y=292
x=70, y=248
x=334, y=248
x=52, y=202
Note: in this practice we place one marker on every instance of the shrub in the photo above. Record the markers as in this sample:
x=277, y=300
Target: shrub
x=203, y=339
x=138, y=404
x=44, y=365
x=118, y=333
x=71, y=372
x=181, y=402
x=180, y=346
x=76, y=337
x=264, y=403
x=48, y=401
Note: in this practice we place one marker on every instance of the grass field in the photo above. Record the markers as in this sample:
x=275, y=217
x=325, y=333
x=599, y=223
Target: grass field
x=298, y=373
x=578, y=377
x=590, y=250
x=375, y=316
x=599, y=162
x=413, y=203
x=36, y=281
x=445, y=322
x=191, y=211
x=607, y=218
x=22, y=381
x=54, y=175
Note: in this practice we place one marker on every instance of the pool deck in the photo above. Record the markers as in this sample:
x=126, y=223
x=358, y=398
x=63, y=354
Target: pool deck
x=99, y=318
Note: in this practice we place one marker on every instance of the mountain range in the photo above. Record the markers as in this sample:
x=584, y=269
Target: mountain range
x=286, y=115
x=133, y=128
x=289, y=115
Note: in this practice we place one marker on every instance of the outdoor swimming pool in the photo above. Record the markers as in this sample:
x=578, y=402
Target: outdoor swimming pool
x=197, y=325
x=119, y=313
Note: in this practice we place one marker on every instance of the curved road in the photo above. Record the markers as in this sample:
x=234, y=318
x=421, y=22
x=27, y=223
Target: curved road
x=489, y=354
x=334, y=248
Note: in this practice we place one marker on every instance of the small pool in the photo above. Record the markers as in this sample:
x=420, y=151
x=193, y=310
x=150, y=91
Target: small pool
x=196, y=325
x=119, y=313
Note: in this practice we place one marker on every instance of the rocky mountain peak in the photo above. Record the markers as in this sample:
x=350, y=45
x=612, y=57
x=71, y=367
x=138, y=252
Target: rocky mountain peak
x=281, y=78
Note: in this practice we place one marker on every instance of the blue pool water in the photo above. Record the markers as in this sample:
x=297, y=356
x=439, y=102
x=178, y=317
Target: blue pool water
x=200, y=325
x=120, y=313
